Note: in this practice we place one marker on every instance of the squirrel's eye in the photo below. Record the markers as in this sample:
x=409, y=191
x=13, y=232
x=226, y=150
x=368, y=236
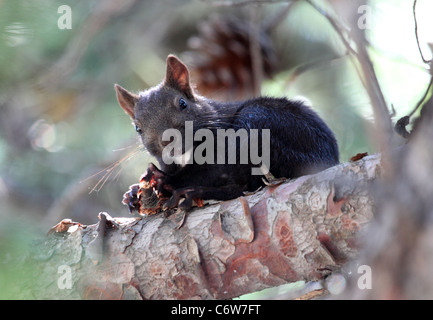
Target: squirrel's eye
x=137, y=128
x=182, y=104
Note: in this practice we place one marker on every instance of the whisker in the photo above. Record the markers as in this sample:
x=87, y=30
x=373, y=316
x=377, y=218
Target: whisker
x=109, y=170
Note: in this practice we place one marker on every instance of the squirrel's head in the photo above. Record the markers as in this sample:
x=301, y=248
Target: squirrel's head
x=166, y=106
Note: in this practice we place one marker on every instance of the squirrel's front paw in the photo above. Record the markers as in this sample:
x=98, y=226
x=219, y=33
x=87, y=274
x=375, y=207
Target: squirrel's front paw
x=142, y=198
x=131, y=198
x=158, y=180
x=191, y=196
x=147, y=196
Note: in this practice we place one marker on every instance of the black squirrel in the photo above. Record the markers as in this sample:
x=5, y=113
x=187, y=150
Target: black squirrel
x=299, y=141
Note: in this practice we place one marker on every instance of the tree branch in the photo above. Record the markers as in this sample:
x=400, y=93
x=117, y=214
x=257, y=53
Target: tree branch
x=416, y=34
x=304, y=229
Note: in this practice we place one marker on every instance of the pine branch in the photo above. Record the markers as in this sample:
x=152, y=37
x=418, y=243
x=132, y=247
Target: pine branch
x=304, y=229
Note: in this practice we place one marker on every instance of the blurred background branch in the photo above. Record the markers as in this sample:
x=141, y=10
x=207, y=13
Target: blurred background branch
x=427, y=61
x=102, y=13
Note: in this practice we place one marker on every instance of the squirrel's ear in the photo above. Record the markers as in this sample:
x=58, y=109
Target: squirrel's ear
x=127, y=100
x=177, y=76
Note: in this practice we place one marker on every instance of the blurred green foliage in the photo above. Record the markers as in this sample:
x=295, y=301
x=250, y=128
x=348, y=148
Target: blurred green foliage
x=61, y=128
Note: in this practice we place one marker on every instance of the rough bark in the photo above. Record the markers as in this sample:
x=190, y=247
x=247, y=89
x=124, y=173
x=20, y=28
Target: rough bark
x=303, y=229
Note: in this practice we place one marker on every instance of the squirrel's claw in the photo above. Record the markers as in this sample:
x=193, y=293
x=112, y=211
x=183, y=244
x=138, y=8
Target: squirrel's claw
x=132, y=199
x=173, y=202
